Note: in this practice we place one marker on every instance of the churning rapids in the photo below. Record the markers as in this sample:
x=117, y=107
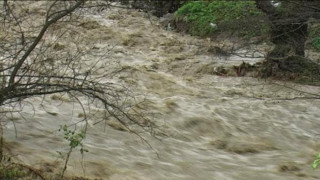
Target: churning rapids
x=214, y=127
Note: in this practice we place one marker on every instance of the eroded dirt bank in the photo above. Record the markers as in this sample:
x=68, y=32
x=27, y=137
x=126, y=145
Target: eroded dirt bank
x=213, y=127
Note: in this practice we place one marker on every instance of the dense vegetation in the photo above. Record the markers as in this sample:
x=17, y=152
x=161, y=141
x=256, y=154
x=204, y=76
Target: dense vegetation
x=239, y=18
x=204, y=18
x=316, y=43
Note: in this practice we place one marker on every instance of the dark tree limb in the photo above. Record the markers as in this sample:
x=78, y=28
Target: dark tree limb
x=47, y=24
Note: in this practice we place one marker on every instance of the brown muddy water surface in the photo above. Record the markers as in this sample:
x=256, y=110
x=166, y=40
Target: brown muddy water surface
x=214, y=127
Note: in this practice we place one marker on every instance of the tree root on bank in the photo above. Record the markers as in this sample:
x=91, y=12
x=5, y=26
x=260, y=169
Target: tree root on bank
x=294, y=68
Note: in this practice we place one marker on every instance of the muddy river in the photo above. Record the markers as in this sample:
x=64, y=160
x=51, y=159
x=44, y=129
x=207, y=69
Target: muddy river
x=210, y=127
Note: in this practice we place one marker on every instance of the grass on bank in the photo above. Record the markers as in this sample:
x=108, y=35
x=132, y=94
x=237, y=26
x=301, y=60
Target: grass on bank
x=204, y=18
x=236, y=18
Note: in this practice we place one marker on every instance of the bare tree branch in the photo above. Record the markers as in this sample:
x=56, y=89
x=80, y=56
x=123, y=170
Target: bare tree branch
x=48, y=23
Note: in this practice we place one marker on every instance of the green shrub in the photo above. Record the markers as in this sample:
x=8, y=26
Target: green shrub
x=316, y=43
x=232, y=10
x=200, y=14
x=11, y=172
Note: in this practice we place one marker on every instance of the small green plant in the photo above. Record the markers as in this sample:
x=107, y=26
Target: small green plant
x=11, y=172
x=75, y=140
x=316, y=43
x=316, y=162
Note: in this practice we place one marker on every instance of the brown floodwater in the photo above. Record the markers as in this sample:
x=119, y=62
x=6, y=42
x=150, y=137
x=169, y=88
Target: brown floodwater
x=212, y=127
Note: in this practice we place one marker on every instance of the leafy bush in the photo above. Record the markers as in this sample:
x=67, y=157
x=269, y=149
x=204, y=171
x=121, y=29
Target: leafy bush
x=199, y=15
x=11, y=172
x=316, y=43
x=231, y=10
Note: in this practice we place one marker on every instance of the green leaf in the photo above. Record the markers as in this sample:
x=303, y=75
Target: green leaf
x=316, y=163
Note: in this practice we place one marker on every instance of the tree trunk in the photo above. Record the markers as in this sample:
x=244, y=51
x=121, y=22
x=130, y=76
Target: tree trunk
x=289, y=39
x=288, y=31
